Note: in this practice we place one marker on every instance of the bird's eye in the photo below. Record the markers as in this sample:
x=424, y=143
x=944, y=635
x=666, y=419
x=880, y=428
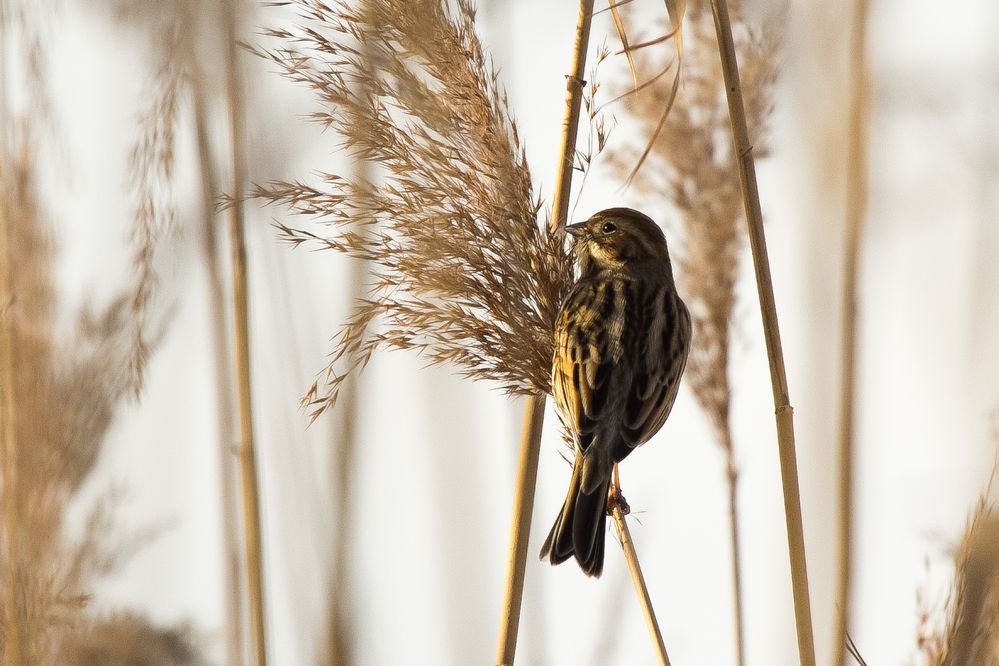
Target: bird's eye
x=608, y=228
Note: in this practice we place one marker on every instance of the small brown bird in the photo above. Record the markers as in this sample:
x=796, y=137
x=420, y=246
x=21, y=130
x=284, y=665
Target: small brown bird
x=621, y=343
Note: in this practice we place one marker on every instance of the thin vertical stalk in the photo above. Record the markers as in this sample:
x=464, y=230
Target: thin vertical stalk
x=241, y=340
x=618, y=510
x=771, y=331
x=856, y=204
x=732, y=476
x=340, y=643
x=534, y=413
x=570, y=124
x=13, y=628
x=523, y=508
x=223, y=387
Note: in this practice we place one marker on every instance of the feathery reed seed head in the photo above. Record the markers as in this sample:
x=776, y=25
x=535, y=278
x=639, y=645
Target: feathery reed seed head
x=463, y=271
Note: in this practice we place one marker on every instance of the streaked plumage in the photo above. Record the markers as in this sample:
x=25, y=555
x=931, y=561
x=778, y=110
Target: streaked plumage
x=621, y=343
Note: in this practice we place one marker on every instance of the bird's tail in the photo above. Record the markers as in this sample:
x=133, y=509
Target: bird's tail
x=579, y=529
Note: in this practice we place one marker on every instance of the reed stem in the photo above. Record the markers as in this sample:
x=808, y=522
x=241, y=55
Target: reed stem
x=223, y=387
x=570, y=124
x=619, y=508
x=771, y=331
x=534, y=414
x=241, y=340
x=523, y=508
x=732, y=477
x=856, y=204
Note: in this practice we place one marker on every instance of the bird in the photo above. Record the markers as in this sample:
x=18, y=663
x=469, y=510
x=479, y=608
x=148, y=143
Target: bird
x=622, y=336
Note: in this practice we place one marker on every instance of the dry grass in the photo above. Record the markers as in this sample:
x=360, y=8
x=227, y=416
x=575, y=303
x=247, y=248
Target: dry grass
x=690, y=162
x=462, y=270
x=534, y=411
x=223, y=381
x=964, y=629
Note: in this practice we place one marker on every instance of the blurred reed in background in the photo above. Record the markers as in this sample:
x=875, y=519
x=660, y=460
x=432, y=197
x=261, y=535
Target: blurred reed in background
x=61, y=388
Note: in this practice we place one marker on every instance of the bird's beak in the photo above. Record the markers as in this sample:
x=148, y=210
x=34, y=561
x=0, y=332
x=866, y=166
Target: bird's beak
x=576, y=230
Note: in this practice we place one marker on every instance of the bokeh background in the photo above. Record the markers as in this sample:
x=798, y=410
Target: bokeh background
x=429, y=503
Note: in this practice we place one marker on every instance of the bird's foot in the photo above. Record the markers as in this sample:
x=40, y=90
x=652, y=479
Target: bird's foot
x=615, y=498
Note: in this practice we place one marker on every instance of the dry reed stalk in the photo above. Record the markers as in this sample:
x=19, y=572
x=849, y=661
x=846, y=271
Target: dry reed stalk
x=524, y=488
x=856, y=205
x=340, y=630
x=246, y=451
x=17, y=307
x=223, y=384
x=692, y=166
x=534, y=413
x=619, y=509
x=174, y=28
x=340, y=638
x=785, y=426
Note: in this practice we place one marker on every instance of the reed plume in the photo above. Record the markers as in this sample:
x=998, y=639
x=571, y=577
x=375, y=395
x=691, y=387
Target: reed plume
x=463, y=272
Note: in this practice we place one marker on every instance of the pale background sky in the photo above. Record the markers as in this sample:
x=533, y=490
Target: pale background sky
x=435, y=471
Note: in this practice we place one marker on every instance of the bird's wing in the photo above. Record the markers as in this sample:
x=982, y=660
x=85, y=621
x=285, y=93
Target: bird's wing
x=581, y=369
x=653, y=391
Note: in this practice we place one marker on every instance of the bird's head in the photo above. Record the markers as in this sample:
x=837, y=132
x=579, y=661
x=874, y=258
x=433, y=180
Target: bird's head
x=618, y=238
